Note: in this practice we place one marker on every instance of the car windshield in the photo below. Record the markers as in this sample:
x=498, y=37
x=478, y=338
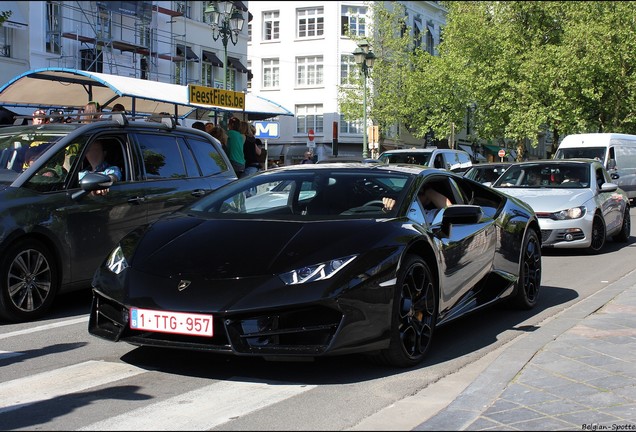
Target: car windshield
x=420, y=158
x=21, y=145
x=483, y=174
x=597, y=153
x=551, y=175
x=303, y=194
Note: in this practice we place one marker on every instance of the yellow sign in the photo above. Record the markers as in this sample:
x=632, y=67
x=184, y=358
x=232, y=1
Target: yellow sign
x=216, y=97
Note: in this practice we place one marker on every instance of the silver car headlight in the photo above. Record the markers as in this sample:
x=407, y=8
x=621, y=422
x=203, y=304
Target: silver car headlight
x=316, y=272
x=573, y=213
x=116, y=261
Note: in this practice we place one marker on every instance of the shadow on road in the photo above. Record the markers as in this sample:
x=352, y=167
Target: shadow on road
x=455, y=339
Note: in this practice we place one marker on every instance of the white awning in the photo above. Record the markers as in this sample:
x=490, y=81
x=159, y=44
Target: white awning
x=16, y=20
x=62, y=87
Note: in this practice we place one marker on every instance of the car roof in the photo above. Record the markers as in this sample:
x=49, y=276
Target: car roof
x=558, y=161
x=421, y=150
x=404, y=168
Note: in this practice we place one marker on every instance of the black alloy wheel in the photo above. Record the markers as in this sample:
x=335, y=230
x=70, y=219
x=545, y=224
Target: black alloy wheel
x=529, y=282
x=414, y=314
x=598, y=235
x=28, y=275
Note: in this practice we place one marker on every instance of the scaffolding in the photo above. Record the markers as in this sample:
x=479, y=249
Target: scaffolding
x=120, y=38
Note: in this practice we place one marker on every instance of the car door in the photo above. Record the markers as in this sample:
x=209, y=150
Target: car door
x=610, y=207
x=169, y=172
x=467, y=250
x=89, y=226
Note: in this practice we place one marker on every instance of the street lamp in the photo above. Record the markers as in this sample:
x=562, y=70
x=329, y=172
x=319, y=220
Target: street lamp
x=364, y=57
x=226, y=22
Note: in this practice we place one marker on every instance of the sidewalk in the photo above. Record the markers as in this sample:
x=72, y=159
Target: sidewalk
x=577, y=372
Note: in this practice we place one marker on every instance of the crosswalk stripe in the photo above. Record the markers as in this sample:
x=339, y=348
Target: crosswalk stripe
x=44, y=327
x=204, y=408
x=48, y=385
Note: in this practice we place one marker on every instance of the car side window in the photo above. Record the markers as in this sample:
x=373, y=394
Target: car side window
x=162, y=157
x=209, y=159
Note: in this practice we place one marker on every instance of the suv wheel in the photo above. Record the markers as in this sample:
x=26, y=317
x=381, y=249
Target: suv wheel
x=28, y=281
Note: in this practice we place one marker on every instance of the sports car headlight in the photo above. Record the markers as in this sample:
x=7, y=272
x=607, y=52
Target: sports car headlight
x=573, y=213
x=316, y=272
x=116, y=261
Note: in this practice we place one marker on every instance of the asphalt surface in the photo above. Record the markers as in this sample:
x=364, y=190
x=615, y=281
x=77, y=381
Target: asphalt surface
x=576, y=371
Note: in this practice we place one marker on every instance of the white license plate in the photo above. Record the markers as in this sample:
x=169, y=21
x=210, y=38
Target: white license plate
x=171, y=322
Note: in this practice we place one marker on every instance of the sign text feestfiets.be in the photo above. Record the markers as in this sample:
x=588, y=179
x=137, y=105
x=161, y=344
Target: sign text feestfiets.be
x=216, y=97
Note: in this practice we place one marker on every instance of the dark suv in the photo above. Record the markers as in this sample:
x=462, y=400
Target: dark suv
x=54, y=232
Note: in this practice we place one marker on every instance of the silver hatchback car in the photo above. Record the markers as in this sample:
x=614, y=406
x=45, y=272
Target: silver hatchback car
x=575, y=200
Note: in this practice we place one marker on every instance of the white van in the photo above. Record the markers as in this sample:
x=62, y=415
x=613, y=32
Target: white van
x=616, y=151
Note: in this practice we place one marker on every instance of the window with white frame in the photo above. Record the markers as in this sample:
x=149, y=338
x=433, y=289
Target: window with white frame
x=309, y=117
x=309, y=71
x=5, y=41
x=350, y=127
x=204, y=6
x=430, y=40
x=271, y=73
x=348, y=67
x=417, y=33
x=311, y=22
x=53, y=27
x=207, y=74
x=353, y=21
x=271, y=25
x=184, y=8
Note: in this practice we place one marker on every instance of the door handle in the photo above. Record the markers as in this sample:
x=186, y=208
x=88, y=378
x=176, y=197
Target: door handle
x=136, y=200
x=199, y=192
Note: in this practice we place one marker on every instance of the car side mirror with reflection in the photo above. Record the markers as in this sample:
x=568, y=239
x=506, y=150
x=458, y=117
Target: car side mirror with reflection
x=92, y=182
x=460, y=214
x=609, y=187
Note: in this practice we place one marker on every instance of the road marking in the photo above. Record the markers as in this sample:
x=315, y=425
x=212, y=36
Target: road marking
x=48, y=385
x=44, y=327
x=204, y=408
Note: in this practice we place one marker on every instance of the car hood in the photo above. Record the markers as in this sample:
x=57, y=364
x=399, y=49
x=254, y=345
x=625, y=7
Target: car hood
x=221, y=249
x=550, y=200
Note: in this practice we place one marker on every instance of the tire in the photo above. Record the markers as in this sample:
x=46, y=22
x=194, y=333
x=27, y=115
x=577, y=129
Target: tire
x=598, y=235
x=28, y=281
x=626, y=228
x=414, y=315
x=529, y=282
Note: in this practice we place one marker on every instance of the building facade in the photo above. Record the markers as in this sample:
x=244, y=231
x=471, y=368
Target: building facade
x=299, y=53
x=167, y=41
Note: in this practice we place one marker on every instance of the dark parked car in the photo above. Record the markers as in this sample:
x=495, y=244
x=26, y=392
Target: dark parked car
x=54, y=232
x=323, y=269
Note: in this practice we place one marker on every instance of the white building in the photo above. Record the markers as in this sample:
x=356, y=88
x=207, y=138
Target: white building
x=298, y=53
x=292, y=53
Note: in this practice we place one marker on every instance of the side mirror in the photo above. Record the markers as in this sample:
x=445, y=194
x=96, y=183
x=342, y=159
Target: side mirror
x=92, y=182
x=460, y=214
x=609, y=187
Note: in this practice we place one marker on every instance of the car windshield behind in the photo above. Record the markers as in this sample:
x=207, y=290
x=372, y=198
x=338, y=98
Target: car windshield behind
x=537, y=175
x=21, y=145
x=336, y=194
x=581, y=152
x=420, y=158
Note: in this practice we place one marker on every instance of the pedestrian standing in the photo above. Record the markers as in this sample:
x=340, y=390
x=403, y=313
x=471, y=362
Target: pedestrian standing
x=235, y=143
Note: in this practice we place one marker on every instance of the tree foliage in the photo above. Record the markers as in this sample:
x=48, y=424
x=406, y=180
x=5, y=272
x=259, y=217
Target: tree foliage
x=525, y=67
x=4, y=15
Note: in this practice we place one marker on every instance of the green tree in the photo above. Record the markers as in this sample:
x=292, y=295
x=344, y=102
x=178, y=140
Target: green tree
x=391, y=44
x=526, y=67
x=4, y=15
